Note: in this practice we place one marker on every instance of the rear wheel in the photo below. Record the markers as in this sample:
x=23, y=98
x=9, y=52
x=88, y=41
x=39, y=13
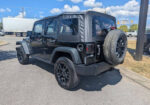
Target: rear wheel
x=65, y=73
x=115, y=47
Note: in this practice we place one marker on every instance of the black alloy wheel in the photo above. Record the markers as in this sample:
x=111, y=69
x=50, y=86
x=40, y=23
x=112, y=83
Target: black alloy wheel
x=65, y=73
x=22, y=57
x=121, y=46
x=62, y=73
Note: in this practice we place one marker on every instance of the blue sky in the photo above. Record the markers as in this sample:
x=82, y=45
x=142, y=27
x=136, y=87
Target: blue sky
x=122, y=9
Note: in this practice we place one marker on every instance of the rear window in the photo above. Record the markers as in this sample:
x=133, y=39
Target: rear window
x=101, y=25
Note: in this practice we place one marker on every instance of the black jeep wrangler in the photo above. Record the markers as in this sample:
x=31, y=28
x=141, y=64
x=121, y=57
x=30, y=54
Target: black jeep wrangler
x=147, y=42
x=78, y=43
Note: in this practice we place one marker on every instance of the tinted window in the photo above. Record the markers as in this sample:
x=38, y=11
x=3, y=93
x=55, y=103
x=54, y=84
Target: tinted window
x=51, y=27
x=38, y=29
x=69, y=26
x=101, y=25
x=147, y=31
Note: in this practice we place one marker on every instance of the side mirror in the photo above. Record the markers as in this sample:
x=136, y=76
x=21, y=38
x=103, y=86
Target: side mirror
x=29, y=33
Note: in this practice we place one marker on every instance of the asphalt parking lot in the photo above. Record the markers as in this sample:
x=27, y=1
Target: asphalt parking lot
x=35, y=84
x=132, y=38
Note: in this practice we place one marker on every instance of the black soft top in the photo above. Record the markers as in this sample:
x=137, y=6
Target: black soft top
x=85, y=27
x=79, y=13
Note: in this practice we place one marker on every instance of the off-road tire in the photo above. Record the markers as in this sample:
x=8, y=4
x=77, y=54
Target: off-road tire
x=148, y=50
x=72, y=80
x=22, y=57
x=110, y=47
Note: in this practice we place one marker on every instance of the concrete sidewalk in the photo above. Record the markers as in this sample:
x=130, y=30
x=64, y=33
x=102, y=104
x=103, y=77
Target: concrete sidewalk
x=2, y=43
x=143, y=81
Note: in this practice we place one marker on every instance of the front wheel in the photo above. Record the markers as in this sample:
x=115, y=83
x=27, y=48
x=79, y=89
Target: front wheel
x=22, y=57
x=65, y=73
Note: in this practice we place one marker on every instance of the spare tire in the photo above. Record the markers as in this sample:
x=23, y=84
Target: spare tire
x=115, y=47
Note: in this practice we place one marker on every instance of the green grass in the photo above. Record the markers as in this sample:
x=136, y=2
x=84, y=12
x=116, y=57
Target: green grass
x=141, y=67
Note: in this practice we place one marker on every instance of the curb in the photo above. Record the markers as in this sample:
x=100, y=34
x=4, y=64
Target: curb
x=143, y=81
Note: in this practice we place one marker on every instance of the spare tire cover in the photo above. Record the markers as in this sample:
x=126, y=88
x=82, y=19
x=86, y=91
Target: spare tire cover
x=115, y=47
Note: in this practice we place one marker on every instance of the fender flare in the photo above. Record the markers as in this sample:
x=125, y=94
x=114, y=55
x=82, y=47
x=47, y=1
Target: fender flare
x=72, y=51
x=25, y=46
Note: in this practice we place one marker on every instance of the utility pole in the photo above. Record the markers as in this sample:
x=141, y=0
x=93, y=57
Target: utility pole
x=23, y=13
x=141, y=29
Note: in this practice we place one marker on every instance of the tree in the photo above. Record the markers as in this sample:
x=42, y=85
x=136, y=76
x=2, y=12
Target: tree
x=133, y=27
x=1, y=26
x=123, y=28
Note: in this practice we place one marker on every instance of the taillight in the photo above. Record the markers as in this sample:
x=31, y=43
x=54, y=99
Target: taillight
x=89, y=48
x=113, y=28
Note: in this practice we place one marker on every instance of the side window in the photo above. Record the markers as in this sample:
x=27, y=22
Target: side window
x=96, y=24
x=51, y=27
x=38, y=28
x=69, y=26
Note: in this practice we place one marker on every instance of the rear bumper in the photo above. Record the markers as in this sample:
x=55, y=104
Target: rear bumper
x=94, y=69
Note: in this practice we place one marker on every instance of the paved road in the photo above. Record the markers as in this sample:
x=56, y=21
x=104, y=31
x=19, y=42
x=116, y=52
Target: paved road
x=35, y=84
x=132, y=38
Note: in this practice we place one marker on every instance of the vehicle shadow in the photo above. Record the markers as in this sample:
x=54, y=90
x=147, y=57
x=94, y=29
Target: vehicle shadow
x=132, y=52
x=5, y=55
x=96, y=83
x=42, y=65
x=88, y=83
